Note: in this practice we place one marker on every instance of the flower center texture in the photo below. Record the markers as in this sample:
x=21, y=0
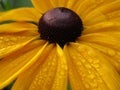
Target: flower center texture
x=60, y=25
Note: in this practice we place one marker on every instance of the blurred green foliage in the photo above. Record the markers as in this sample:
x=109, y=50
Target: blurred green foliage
x=10, y=4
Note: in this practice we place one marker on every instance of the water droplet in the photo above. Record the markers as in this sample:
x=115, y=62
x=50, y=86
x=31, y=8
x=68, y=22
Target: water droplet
x=91, y=76
x=53, y=63
x=1, y=38
x=87, y=85
x=99, y=1
x=111, y=52
x=96, y=65
x=90, y=60
x=74, y=57
x=88, y=66
x=96, y=61
x=99, y=80
x=83, y=60
x=94, y=84
x=79, y=63
x=64, y=66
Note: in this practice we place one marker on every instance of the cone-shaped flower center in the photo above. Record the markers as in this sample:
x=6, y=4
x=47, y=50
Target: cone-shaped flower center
x=60, y=25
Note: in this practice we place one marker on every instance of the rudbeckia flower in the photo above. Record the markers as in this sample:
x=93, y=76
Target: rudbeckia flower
x=57, y=42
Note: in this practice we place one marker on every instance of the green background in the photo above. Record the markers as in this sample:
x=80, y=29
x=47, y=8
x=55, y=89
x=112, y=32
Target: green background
x=6, y=5
x=10, y=4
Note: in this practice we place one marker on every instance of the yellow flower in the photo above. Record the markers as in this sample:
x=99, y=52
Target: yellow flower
x=90, y=62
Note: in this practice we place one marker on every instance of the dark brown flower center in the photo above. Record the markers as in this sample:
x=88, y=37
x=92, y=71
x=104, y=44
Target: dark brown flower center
x=60, y=25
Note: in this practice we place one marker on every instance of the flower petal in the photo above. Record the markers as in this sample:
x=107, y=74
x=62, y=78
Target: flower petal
x=21, y=14
x=73, y=4
x=17, y=27
x=53, y=73
x=74, y=77
x=102, y=27
x=60, y=82
x=12, y=42
x=108, y=39
x=82, y=9
x=59, y=3
x=25, y=79
x=112, y=55
x=42, y=6
x=12, y=65
x=106, y=12
x=92, y=66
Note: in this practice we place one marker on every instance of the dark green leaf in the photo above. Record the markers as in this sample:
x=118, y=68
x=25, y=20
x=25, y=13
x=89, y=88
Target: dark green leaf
x=22, y=3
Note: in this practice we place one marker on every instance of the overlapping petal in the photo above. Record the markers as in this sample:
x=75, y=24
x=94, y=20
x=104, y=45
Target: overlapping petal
x=73, y=4
x=112, y=55
x=14, y=41
x=107, y=12
x=82, y=9
x=49, y=72
x=26, y=78
x=74, y=77
x=95, y=72
x=110, y=40
x=42, y=6
x=18, y=27
x=21, y=14
x=102, y=28
x=53, y=74
x=59, y=3
x=19, y=60
x=61, y=78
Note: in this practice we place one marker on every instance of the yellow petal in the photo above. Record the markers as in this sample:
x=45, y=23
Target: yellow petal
x=95, y=71
x=25, y=79
x=82, y=9
x=73, y=4
x=21, y=14
x=112, y=55
x=17, y=27
x=108, y=39
x=42, y=6
x=53, y=73
x=12, y=42
x=103, y=13
x=102, y=27
x=59, y=3
x=114, y=16
x=63, y=3
x=81, y=6
x=74, y=77
x=61, y=78
x=12, y=65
